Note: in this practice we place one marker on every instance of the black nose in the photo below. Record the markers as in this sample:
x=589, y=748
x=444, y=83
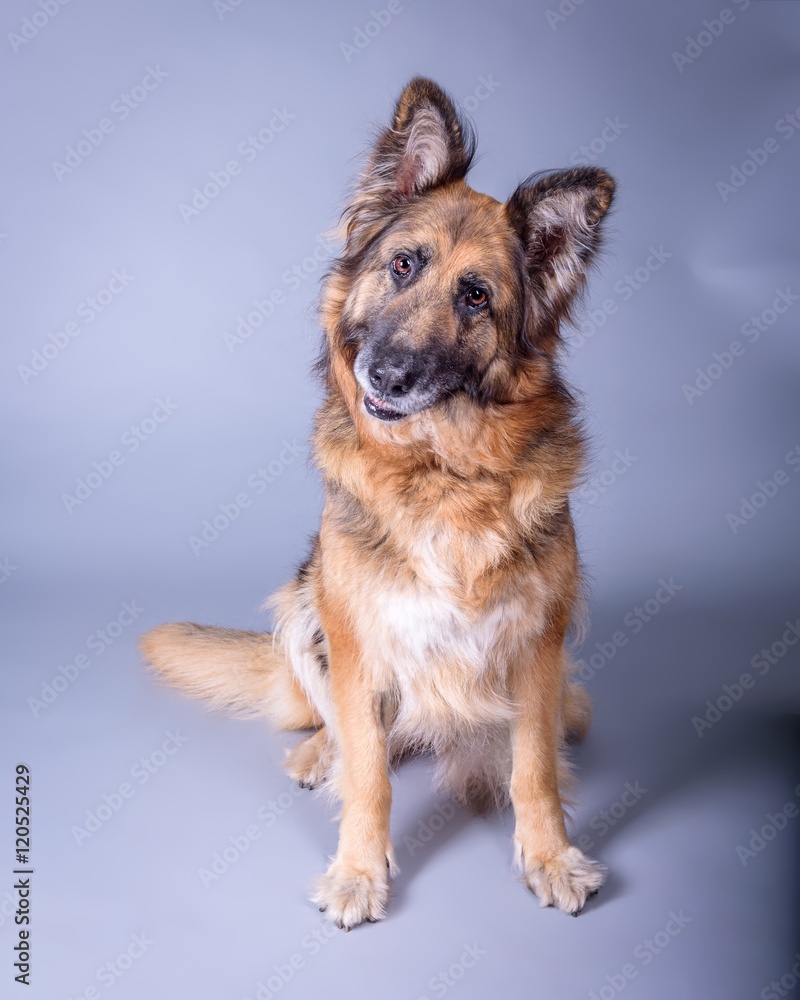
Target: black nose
x=392, y=378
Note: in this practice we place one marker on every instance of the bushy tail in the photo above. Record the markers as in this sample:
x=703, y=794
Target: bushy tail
x=245, y=673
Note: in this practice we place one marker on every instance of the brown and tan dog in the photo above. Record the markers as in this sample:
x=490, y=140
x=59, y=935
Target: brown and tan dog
x=432, y=612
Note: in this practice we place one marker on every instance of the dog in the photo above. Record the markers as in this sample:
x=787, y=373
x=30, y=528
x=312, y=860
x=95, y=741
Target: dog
x=432, y=612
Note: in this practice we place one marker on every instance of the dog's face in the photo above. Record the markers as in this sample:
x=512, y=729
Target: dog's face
x=437, y=299
x=442, y=291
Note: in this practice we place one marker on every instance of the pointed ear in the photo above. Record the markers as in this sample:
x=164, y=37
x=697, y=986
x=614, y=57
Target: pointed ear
x=427, y=144
x=558, y=218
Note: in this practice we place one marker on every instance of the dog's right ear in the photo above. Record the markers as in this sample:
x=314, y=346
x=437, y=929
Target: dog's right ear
x=428, y=144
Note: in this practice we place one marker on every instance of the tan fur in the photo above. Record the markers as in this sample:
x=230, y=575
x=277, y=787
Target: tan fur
x=242, y=672
x=432, y=612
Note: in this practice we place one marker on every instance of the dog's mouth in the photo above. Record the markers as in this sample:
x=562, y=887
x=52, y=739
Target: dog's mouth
x=378, y=408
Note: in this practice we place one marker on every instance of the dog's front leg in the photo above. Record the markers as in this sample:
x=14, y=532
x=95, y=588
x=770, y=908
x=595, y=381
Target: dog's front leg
x=356, y=886
x=559, y=873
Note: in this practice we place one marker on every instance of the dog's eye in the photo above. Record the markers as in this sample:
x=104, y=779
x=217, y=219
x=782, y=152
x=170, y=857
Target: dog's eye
x=477, y=297
x=402, y=265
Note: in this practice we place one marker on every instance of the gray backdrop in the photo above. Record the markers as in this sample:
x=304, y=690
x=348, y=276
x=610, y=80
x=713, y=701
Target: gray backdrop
x=168, y=169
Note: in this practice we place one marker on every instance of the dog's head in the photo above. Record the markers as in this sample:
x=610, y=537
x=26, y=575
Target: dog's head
x=441, y=291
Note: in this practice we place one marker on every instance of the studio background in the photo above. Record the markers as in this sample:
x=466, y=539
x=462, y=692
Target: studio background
x=155, y=469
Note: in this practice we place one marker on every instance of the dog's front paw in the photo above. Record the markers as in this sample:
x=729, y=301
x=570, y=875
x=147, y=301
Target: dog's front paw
x=565, y=880
x=349, y=894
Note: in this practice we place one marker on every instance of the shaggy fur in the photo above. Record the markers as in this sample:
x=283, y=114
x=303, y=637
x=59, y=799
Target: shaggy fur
x=432, y=611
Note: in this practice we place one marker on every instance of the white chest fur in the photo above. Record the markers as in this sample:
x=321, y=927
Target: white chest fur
x=446, y=656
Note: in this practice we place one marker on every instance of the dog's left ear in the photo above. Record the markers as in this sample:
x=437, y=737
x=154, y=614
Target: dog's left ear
x=558, y=218
x=427, y=144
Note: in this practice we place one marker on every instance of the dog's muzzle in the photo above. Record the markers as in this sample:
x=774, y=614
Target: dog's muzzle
x=395, y=385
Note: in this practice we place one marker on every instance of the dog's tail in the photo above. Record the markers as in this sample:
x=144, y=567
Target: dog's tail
x=246, y=673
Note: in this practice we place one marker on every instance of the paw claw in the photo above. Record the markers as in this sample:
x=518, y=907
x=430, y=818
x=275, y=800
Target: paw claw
x=348, y=897
x=565, y=881
x=310, y=762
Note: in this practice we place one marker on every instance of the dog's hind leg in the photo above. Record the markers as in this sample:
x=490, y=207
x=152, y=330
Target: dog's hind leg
x=576, y=712
x=311, y=761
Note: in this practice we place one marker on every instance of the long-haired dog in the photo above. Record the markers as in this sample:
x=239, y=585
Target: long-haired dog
x=432, y=611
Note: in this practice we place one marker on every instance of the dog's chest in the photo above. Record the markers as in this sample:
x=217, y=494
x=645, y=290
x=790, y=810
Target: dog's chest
x=420, y=624
x=437, y=616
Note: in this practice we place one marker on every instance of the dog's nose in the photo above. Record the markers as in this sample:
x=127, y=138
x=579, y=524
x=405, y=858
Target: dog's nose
x=391, y=379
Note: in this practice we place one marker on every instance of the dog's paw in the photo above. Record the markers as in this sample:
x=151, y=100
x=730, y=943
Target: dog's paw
x=348, y=895
x=565, y=881
x=311, y=761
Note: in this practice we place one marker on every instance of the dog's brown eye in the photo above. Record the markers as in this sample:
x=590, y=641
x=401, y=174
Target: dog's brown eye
x=402, y=265
x=477, y=297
